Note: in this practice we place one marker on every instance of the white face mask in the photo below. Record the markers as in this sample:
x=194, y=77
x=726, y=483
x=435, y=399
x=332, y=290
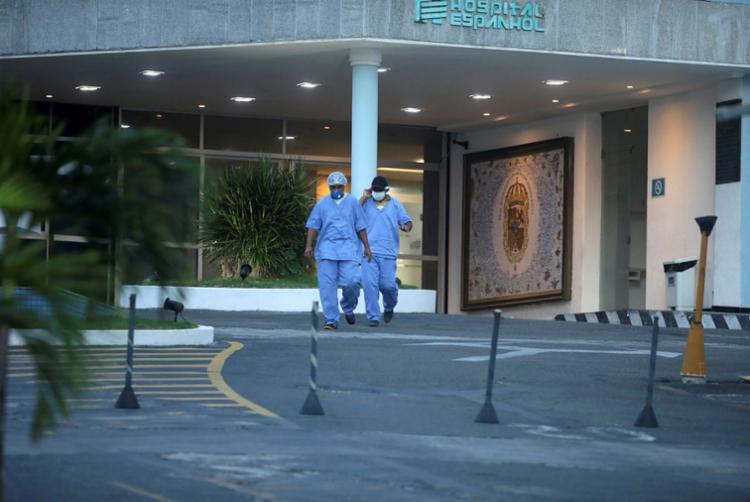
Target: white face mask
x=378, y=196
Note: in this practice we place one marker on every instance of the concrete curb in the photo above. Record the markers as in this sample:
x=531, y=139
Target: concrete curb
x=668, y=318
x=259, y=299
x=202, y=335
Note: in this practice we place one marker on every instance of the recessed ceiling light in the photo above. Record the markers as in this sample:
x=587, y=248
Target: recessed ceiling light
x=159, y=115
x=48, y=96
x=485, y=114
x=410, y=109
x=631, y=87
x=242, y=99
x=501, y=118
x=201, y=106
x=327, y=128
x=308, y=85
x=288, y=138
x=555, y=100
x=644, y=91
x=479, y=96
x=152, y=73
x=383, y=70
x=628, y=130
x=555, y=82
x=88, y=88
x=569, y=105
x=125, y=126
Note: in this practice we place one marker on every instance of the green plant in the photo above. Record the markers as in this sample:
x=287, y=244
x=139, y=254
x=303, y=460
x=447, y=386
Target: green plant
x=257, y=215
x=43, y=178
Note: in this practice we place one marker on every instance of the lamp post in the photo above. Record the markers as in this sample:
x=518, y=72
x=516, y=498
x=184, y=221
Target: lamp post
x=694, y=361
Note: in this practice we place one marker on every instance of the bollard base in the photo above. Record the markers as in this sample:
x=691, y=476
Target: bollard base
x=487, y=414
x=647, y=418
x=127, y=399
x=312, y=405
x=693, y=379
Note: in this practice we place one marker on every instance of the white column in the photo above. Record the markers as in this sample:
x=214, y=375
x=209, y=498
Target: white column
x=365, y=63
x=745, y=196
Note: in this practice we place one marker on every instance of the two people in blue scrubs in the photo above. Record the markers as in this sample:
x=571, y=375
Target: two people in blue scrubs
x=338, y=222
x=384, y=216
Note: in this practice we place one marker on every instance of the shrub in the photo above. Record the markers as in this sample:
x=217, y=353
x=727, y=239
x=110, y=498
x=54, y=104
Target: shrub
x=257, y=215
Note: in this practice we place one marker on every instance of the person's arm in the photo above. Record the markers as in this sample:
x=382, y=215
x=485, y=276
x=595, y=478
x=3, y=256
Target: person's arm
x=404, y=220
x=311, y=235
x=366, y=194
x=363, y=237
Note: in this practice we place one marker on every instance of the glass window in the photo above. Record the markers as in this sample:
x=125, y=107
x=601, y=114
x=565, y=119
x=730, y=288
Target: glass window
x=242, y=134
x=321, y=172
x=60, y=248
x=326, y=139
x=76, y=119
x=179, y=200
x=138, y=271
x=409, y=144
x=407, y=186
x=187, y=126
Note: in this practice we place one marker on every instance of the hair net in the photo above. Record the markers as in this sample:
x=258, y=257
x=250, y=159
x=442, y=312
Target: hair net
x=336, y=178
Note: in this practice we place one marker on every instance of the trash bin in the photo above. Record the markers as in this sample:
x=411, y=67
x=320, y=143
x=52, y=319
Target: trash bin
x=681, y=283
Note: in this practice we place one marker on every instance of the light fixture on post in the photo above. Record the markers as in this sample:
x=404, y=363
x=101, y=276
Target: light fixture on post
x=694, y=368
x=174, y=306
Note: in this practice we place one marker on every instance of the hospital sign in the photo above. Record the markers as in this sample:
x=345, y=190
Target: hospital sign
x=481, y=14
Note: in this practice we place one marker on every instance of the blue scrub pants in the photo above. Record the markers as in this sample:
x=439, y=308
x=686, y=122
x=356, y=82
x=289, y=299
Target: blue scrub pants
x=379, y=275
x=331, y=275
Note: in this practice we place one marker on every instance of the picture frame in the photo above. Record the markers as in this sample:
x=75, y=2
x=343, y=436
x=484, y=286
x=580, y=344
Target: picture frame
x=517, y=225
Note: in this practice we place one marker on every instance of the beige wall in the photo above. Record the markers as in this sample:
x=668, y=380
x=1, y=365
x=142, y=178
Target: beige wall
x=585, y=128
x=682, y=149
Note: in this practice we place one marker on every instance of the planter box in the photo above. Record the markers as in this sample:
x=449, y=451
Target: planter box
x=275, y=300
x=202, y=335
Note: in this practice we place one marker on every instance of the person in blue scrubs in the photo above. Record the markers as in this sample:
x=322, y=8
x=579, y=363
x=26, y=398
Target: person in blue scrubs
x=339, y=225
x=385, y=216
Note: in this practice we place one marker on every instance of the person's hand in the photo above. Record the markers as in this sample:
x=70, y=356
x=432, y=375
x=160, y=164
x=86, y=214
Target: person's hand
x=309, y=251
x=367, y=193
x=368, y=254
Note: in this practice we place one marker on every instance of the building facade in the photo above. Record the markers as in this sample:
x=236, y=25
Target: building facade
x=642, y=107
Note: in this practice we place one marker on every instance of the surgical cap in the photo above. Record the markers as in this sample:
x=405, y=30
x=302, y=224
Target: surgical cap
x=336, y=178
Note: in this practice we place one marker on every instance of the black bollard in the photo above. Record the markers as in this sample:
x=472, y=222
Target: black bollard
x=487, y=414
x=312, y=404
x=647, y=418
x=127, y=397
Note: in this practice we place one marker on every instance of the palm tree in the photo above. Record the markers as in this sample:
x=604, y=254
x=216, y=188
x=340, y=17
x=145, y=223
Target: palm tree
x=43, y=178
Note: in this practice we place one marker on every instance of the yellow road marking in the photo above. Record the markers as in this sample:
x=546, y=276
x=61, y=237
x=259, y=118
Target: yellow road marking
x=214, y=373
x=138, y=491
x=195, y=399
x=139, y=386
x=177, y=392
x=97, y=355
x=243, y=490
x=122, y=366
x=137, y=379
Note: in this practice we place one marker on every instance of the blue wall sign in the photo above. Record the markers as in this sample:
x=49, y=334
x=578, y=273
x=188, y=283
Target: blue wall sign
x=482, y=14
x=658, y=187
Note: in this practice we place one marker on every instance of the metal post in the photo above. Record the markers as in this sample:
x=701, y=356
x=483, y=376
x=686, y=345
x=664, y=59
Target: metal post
x=487, y=414
x=127, y=397
x=312, y=404
x=647, y=418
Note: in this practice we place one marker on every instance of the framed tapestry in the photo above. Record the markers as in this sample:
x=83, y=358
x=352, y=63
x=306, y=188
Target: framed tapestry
x=518, y=206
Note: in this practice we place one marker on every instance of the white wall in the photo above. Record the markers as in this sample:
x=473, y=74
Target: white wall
x=682, y=149
x=585, y=128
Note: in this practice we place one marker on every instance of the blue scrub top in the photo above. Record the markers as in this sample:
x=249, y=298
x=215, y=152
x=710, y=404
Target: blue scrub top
x=383, y=225
x=337, y=226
